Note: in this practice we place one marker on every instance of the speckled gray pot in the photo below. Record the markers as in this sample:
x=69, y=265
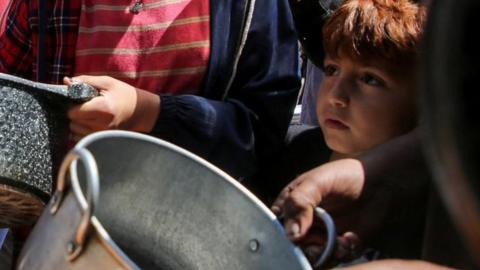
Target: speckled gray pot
x=34, y=131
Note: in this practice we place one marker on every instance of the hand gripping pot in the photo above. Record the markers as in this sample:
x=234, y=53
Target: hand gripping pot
x=33, y=139
x=160, y=207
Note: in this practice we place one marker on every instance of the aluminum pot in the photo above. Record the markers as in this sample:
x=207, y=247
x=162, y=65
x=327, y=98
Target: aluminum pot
x=33, y=137
x=160, y=207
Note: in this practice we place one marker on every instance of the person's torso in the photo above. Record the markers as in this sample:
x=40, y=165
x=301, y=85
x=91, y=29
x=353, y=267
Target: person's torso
x=157, y=45
x=228, y=21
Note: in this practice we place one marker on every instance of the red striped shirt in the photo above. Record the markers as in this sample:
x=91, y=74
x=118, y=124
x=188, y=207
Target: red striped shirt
x=163, y=48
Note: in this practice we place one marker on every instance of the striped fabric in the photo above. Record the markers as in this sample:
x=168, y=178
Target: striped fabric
x=3, y=9
x=164, y=48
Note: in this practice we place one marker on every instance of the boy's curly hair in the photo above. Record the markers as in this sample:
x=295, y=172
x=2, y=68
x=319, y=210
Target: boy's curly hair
x=388, y=30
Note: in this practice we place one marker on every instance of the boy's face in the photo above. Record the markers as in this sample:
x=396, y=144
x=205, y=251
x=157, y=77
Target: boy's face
x=363, y=104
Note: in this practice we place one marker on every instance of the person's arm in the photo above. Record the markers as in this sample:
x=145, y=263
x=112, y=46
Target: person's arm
x=360, y=192
x=15, y=41
x=397, y=265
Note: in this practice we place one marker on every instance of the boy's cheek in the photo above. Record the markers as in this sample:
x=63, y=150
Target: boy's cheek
x=320, y=105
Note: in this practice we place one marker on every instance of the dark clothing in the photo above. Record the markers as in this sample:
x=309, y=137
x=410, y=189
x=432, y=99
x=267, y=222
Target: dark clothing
x=304, y=150
x=443, y=244
x=248, y=94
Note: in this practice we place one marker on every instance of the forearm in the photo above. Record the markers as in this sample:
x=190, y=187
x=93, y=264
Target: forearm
x=397, y=265
x=146, y=111
x=397, y=173
x=397, y=165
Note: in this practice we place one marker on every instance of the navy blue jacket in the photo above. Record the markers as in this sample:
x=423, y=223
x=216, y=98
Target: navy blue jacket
x=235, y=127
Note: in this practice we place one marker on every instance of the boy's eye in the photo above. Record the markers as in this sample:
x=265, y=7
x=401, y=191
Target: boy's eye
x=330, y=70
x=371, y=80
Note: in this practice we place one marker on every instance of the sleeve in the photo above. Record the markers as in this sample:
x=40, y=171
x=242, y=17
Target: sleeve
x=238, y=132
x=16, y=40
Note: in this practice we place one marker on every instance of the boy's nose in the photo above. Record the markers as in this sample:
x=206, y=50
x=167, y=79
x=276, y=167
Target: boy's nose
x=338, y=95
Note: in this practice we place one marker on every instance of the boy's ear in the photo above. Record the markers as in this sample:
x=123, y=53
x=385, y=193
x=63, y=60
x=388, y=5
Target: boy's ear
x=309, y=17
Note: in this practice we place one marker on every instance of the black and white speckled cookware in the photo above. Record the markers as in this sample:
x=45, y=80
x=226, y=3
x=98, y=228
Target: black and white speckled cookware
x=33, y=138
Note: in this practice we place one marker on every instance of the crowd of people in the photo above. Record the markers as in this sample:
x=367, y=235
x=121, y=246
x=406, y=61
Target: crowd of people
x=221, y=79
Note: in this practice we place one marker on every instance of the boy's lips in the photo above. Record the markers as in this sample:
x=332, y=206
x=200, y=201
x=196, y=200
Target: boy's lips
x=335, y=124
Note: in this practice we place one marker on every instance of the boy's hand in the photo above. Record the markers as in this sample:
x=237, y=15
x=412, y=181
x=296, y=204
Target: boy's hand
x=119, y=106
x=358, y=194
x=334, y=186
x=339, y=188
x=347, y=247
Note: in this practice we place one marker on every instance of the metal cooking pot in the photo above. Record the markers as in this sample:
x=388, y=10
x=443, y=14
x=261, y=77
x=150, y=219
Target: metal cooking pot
x=33, y=137
x=160, y=207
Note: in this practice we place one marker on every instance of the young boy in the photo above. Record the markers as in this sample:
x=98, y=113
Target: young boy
x=366, y=98
x=368, y=94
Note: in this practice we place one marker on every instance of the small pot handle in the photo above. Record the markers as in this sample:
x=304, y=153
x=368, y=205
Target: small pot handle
x=331, y=235
x=76, y=92
x=87, y=204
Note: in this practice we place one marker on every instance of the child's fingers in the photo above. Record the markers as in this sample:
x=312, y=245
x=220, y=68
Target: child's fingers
x=277, y=205
x=348, y=246
x=67, y=80
x=292, y=227
x=298, y=209
x=89, y=110
x=298, y=216
x=99, y=82
x=80, y=130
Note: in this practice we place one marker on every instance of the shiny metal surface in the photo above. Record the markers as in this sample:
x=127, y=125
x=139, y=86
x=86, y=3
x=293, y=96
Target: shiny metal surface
x=76, y=244
x=68, y=222
x=331, y=236
x=47, y=246
x=168, y=209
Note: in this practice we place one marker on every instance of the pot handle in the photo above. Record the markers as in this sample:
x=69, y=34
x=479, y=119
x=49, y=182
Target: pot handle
x=76, y=92
x=87, y=204
x=331, y=235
